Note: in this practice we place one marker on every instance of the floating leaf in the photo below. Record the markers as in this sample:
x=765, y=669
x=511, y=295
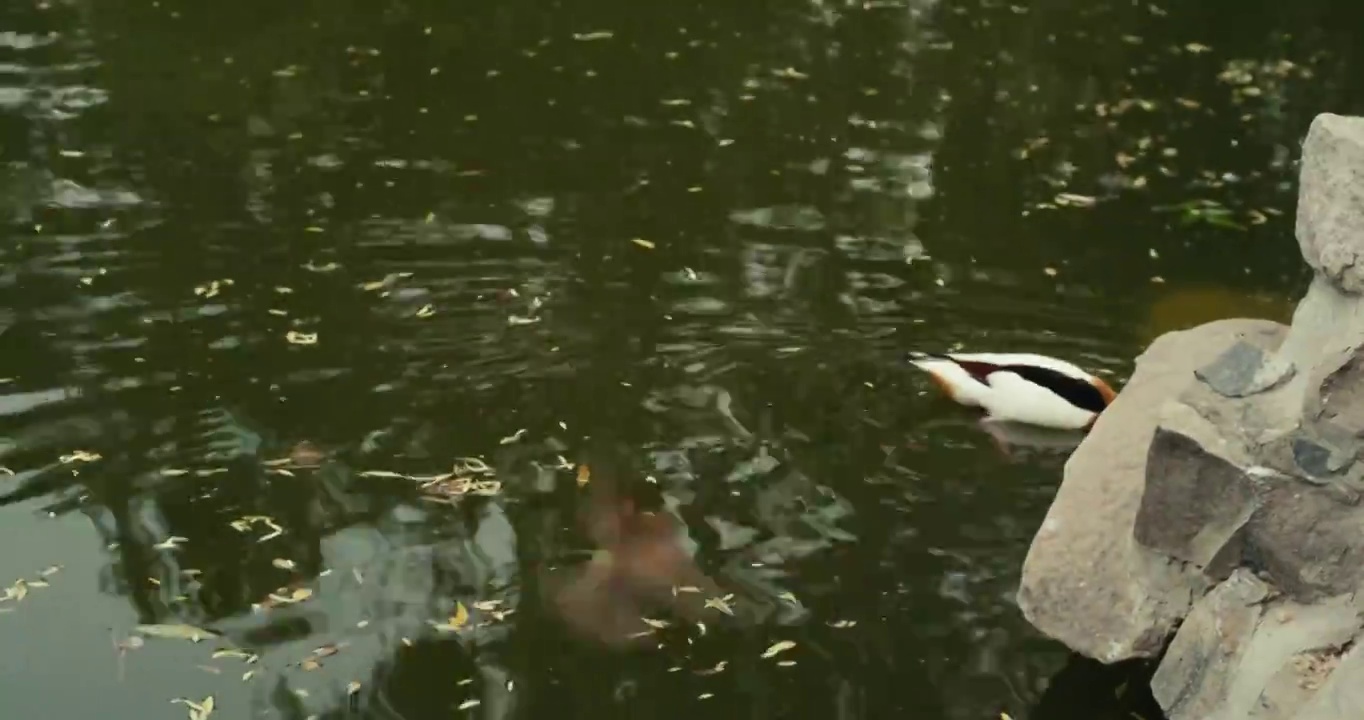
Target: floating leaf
x=721, y=604
x=779, y=647
x=584, y=475
x=300, y=338
x=1074, y=200
x=384, y=474
x=197, y=711
x=456, y=621
x=175, y=632
x=353, y=687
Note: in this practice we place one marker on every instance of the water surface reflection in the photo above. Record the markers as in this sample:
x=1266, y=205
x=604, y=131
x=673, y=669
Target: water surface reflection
x=313, y=316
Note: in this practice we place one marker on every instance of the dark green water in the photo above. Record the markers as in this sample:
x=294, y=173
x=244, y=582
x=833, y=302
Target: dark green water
x=363, y=237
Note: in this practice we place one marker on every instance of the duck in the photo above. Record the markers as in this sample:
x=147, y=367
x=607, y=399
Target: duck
x=1024, y=388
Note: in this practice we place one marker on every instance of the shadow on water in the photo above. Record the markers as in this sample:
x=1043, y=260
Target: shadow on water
x=314, y=314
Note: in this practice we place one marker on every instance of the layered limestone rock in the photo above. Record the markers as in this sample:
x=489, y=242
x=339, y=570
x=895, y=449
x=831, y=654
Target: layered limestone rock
x=1222, y=491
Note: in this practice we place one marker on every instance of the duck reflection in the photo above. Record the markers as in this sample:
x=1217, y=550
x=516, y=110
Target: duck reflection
x=1014, y=440
x=639, y=571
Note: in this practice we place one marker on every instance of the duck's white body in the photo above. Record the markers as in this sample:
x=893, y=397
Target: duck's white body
x=1019, y=387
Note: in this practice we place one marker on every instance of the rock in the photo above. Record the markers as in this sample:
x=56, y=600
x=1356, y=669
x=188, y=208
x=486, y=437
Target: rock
x=1243, y=370
x=1342, y=692
x=1098, y=591
x=1195, y=504
x=1330, y=221
x=1230, y=462
x=1244, y=655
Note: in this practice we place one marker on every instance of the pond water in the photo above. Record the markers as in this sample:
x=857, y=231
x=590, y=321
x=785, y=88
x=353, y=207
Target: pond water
x=313, y=312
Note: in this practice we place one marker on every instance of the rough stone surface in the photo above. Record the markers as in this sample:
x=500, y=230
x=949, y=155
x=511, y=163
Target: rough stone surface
x=1243, y=654
x=1331, y=200
x=1230, y=461
x=1094, y=589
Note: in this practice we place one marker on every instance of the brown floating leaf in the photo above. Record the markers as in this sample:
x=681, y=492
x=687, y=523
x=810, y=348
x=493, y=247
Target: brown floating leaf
x=584, y=475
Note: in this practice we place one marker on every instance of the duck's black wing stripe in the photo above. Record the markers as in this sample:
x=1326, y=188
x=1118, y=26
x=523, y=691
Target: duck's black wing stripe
x=1079, y=393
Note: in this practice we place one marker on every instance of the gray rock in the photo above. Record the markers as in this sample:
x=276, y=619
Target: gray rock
x=1330, y=224
x=1191, y=681
x=1232, y=457
x=1242, y=654
x=1099, y=591
x=1232, y=374
x=1341, y=693
x=1195, y=504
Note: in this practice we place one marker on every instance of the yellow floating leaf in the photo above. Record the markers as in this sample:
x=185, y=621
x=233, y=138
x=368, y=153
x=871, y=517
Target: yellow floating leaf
x=468, y=704
x=721, y=604
x=353, y=687
x=283, y=563
x=461, y=616
x=300, y=338
x=584, y=475
x=384, y=474
x=197, y=711
x=646, y=244
x=80, y=456
x=301, y=594
x=175, y=632
x=779, y=647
